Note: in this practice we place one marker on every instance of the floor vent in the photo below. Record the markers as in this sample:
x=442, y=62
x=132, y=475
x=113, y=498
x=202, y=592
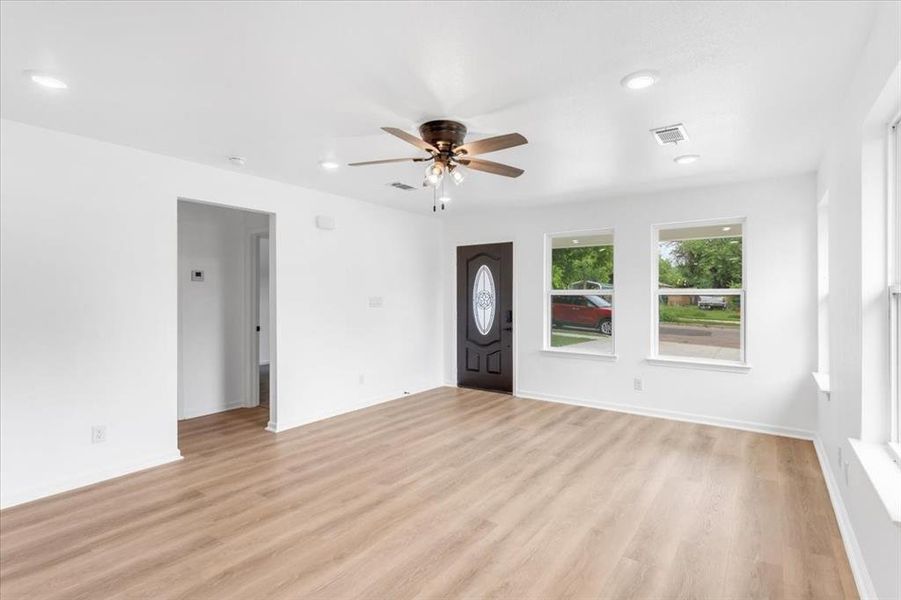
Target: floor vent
x=402, y=186
x=671, y=134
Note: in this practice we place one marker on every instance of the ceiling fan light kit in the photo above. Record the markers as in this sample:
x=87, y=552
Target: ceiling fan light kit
x=434, y=173
x=444, y=142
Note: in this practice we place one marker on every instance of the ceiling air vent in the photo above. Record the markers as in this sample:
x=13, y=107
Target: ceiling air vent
x=402, y=186
x=671, y=134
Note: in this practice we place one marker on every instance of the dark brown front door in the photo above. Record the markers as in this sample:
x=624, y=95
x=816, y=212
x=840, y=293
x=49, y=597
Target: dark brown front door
x=485, y=316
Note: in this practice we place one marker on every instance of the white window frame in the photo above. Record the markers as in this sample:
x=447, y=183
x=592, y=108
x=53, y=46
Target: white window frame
x=823, y=314
x=549, y=293
x=893, y=189
x=656, y=291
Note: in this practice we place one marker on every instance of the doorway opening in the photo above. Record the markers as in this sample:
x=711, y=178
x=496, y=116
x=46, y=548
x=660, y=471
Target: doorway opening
x=226, y=314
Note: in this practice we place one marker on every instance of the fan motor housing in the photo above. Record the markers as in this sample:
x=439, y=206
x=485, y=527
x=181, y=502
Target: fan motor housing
x=444, y=135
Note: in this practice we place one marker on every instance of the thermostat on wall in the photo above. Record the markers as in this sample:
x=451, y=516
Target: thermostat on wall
x=325, y=222
x=196, y=275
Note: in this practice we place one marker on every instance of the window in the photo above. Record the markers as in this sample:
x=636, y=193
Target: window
x=579, y=293
x=700, y=308
x=894, y=264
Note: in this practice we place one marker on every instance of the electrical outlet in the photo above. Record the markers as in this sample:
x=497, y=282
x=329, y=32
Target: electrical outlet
x=98, y=434
x=637, y=384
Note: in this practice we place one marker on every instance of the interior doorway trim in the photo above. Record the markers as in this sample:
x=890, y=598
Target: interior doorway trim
x=253, y=320
x=252, y=395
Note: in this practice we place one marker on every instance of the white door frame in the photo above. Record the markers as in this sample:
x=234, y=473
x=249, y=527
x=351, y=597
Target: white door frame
x=253, y=317
x=252, y=397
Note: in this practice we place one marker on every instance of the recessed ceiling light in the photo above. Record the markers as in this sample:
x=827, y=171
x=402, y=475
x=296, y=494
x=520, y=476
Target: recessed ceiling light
x=575, y=241
x=47, y=81
x=238, y=161
x=639, y=80
x=727, y=229
x=686, y=159
x=328, y=165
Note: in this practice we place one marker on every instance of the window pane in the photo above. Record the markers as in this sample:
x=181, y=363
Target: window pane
x=701, y=262
x=582, y=262
x=705, y=327
x=583, y=323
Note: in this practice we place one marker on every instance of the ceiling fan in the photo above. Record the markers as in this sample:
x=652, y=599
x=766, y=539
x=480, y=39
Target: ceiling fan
x=443, y=140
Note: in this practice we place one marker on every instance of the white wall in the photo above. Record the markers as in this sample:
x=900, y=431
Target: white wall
x=214, y=341
x=88, y=304
x=264, y=301
x=858, y=344
x=780, y=250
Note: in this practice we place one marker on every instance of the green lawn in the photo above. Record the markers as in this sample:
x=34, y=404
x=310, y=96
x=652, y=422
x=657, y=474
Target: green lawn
x=560, y=339
x=693, y=314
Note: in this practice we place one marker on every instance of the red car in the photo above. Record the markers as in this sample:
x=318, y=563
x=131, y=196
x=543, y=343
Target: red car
x=583, y=311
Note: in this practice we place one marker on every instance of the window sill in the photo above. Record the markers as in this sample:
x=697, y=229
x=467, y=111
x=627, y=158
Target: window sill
x=707, y=365
x=895, y=453
x=578, y=354
x=884, y=474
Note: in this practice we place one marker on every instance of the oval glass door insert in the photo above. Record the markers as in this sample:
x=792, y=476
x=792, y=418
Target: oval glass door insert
x=484, y=299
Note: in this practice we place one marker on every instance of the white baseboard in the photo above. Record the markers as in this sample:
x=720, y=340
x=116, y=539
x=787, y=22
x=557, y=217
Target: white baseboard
x=15, y=497
x=228, y=406
x=803, y=434
x=862, y=579
x=278, y=428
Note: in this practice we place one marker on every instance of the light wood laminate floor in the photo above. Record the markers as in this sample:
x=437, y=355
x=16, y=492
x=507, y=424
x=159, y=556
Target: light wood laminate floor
x=445, y=494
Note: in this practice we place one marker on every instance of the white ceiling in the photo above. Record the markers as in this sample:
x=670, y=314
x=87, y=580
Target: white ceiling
x=287, y=85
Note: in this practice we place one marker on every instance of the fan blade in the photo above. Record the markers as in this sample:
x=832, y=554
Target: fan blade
x=380, y=162
x=478, y=164
x=411, y=139
x=493, y=144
